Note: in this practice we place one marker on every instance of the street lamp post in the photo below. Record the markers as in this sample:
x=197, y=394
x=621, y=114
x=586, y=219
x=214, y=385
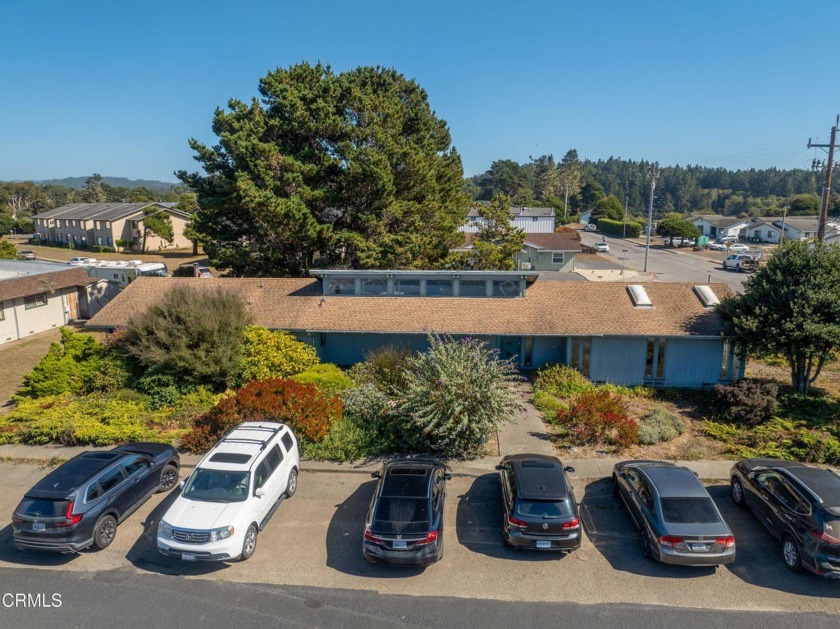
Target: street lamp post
x=653, y=176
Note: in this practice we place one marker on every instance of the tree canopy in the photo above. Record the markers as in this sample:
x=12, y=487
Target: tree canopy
x=791, y=308
x=157, y=222
x=353, y=169
x=497, y=241
x=672, y=226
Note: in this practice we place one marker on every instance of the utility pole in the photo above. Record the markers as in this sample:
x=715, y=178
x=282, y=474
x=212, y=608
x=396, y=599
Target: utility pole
x=823, y=219
x=784, y=218
x=654, y=174
x=624, y=231
x=566, y=204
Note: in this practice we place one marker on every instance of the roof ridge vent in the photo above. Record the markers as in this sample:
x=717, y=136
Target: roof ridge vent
x=639, y=296
x=706, y=296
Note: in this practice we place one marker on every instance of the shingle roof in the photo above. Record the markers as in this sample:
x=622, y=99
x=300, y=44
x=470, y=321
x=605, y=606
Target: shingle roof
x=554, y=242
x=549, y=308
x=800, y=223
x=102, y=211
x=26, y=285
x=720, y=221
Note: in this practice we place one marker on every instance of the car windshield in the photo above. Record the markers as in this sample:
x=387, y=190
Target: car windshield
x=689, y=511
x=217, y=486
x=544, y=509
x=36, y=507
x=402, y=510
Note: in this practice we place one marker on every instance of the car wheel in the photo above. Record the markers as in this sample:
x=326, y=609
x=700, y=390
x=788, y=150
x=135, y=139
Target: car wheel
x=168, y=478
x=737, y=492
x=104, y=532
x=739, y=268
x=791, y=554
x=291, y=485
x=249, y=545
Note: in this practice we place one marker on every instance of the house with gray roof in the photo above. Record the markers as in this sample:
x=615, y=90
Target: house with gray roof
x=717, y=226
x=804, y=227
x=85, y=225
x=532, y=220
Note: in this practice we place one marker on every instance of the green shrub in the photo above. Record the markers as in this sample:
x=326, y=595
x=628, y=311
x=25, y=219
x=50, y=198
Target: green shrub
x=384, y=430
x=112, y=373
x=747, y=402
x=546, y=403
x=91, y=420
x=598, y=418
x=163, y=389
x=329, y=378
x=383, y=367
x=8, y=251
x=660, y=425
x=67, y=366
x=455, y=394
x=561, y=380
x=778, y=438
x=102, y=249
x=345, y=441
x=616, y=228
x=303, y=407
x=273, y=354
x=193, y=334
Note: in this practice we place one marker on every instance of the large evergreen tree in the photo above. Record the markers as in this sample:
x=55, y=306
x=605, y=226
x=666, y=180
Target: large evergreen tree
x=353, y=169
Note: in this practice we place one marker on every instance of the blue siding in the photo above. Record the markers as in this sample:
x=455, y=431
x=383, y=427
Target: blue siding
x=692, y=362
x=618, y=360
x=548, y=349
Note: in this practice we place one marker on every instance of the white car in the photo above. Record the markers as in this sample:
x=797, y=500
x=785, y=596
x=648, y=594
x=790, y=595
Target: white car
x=717, y=246
x=81, y=261
x=738, y=261
x=232, y=493
x=602, y=247
x=738, y=248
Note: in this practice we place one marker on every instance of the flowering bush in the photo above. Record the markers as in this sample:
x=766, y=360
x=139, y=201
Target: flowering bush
x=598, y=417
x=273, y=354
x=455, y=394
x=303, y=407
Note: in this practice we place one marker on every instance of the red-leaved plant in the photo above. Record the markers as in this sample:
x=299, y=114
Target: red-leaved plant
x=598, y=418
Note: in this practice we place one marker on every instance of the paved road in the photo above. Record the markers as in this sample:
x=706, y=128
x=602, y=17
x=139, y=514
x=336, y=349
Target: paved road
x=667, y=265
x=121, y=599
x=314, y=541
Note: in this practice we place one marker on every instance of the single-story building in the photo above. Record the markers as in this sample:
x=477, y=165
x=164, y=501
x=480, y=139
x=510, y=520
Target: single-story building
x=533, y=220
x=764, y=229
x=659, y=334
x=805, y=227
x=87, y=224
x=541, y=252
x=717, y=226
x=37, y=296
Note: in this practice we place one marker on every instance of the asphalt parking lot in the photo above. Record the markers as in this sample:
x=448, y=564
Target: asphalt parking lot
x=314, y=540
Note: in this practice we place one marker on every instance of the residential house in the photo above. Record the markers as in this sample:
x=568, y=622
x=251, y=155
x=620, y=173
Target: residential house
x=38, y=296
x=764, y=229
x=659, y=334
x=87, y=224
x=717, y=226
x=805, y=227
x=533, y=220
x=541, y=252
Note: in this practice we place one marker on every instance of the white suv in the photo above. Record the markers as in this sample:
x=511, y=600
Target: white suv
x=232, y=493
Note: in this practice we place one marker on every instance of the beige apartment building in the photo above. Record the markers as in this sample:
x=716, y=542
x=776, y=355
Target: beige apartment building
x=89, y=224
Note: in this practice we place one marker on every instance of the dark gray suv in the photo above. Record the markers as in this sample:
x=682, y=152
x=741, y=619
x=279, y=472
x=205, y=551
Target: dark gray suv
x=799, y=505
x=80, y=503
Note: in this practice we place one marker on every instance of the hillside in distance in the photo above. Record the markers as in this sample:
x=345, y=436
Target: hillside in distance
x=77, y=183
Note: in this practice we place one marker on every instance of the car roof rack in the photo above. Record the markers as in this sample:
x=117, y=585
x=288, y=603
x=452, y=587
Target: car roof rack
x=261, y=442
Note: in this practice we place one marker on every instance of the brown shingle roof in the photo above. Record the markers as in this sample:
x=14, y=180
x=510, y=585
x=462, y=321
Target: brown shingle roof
x=549, y=308
x=26, y=285
x=554, y=242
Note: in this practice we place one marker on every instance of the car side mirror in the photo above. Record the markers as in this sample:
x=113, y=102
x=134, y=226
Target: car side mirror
x=447, y=477
x=259, y=492
x=376, y=474
x=569, y=469
x=182, y=483
x=498, y=467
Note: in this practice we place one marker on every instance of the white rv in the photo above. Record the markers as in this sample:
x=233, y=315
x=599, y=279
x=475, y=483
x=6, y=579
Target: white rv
x=124, y=272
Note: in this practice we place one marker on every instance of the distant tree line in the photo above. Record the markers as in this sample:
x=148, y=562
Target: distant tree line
x=681, y=189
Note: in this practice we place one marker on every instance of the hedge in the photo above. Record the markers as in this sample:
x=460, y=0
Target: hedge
x=616, y=228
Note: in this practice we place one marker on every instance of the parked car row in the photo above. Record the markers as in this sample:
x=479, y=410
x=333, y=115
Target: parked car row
x=240, y=483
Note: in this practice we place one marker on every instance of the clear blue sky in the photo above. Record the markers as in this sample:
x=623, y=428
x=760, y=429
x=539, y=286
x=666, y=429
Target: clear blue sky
x=118, y=87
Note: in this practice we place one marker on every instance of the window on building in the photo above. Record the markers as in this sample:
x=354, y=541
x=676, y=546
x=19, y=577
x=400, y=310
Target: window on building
x=34, y=301
x=505, y=288
x=375, y=287
x=558, y=257
x=407, y=288
x=2, y=313
x=439, y=288
x=110, y=242
x=655, y=359
x=107, y=224
x=342, y=287
x=579, y=358
x=472, y=288
x=724, y=361
x=99, y=240
x=534, y=219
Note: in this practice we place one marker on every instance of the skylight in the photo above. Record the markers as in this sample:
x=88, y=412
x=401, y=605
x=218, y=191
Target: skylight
x=639, y=296
x=706, y=296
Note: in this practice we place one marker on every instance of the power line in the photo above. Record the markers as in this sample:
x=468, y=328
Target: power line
x=829, y=167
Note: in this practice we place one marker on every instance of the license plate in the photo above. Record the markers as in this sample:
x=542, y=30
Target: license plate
x=543, y=544
x=188, y=556
x=399, y=545
x=700, y=548
x=39, y=526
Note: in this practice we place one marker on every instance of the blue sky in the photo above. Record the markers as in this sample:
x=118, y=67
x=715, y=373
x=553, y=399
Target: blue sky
x=118, y=88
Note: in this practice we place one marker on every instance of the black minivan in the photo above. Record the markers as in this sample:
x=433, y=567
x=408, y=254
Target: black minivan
x=404, y=524
x=799, y=504
x=81, y=503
